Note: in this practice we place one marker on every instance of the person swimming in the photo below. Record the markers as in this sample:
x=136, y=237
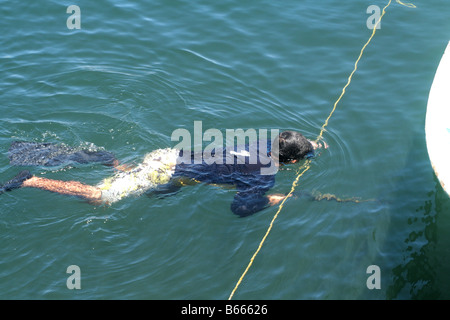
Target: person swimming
x=169, y=169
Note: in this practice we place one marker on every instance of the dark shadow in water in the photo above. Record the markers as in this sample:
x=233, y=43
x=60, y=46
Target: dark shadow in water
x=421, y=272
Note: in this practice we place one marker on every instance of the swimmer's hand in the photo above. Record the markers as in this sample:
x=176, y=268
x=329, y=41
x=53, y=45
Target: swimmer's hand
x=318, y=145
x=276, y=198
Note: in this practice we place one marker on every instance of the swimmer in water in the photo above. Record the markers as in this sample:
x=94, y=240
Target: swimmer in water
x=169, y=169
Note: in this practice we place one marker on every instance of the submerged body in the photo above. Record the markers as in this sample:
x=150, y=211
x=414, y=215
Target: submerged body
x=168, y=168
x=251, y=169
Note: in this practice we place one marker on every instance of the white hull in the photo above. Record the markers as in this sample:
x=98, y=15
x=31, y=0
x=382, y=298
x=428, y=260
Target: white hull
x=437, y=123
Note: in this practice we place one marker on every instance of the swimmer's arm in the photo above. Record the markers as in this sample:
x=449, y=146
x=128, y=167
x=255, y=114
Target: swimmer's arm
x=245, y=204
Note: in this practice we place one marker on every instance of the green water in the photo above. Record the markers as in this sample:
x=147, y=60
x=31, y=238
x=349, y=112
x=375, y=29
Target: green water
x=135, y=72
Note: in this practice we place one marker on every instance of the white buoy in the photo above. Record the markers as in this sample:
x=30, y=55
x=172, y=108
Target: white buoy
x=437, y=123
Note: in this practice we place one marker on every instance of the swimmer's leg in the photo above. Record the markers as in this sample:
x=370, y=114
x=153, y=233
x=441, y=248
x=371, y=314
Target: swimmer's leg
x=16, y=182
x=71, y=188
x=22, y=153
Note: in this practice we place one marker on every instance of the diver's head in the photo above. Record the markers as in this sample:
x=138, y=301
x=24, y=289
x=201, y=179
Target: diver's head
x=292, y=146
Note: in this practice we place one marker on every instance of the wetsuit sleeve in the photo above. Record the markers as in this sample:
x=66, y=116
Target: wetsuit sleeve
x=251, y=197
x=246, y=203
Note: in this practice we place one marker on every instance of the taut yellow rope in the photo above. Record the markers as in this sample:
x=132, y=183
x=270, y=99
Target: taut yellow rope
x=305, y=167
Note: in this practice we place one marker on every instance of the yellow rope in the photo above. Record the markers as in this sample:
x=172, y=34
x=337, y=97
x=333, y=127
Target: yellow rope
x=409, y=5
x=305, y=167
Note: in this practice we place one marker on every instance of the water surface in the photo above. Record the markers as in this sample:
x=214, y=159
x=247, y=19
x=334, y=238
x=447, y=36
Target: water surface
x=135, y=72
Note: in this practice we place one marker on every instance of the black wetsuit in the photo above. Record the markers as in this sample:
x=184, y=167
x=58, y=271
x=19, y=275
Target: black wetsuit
x=234, y=166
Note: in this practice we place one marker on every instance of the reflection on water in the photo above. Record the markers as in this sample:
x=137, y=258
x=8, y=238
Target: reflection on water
x=418, y=274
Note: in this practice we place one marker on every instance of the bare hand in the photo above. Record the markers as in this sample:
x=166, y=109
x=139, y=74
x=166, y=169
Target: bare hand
x=274, y=199
x=318, y=145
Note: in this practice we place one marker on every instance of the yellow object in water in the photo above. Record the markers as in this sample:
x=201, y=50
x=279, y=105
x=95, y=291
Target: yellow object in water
x=156, y=169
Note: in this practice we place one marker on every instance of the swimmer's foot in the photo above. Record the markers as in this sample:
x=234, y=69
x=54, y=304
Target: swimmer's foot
x=16, y=182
